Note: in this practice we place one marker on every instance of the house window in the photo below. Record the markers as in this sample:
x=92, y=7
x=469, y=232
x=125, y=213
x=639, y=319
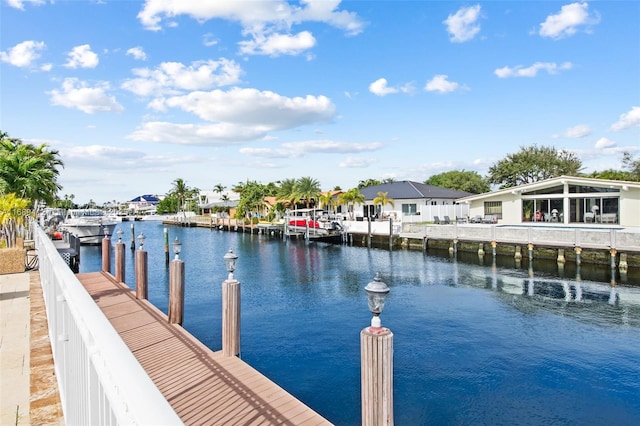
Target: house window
x=493, y=208
x=409, y=209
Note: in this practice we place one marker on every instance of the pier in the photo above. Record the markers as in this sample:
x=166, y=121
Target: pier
x=119, y=361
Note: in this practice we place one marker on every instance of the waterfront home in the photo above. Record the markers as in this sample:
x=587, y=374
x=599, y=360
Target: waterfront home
x=561, y=200
x=414, y=201
x=143, y=204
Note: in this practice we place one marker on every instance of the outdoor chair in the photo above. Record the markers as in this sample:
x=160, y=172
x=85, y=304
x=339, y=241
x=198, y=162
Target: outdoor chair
x=447, y=220
x=436, y=220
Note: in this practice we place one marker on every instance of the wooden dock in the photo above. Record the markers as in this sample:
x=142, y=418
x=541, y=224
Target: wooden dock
x=202, y=386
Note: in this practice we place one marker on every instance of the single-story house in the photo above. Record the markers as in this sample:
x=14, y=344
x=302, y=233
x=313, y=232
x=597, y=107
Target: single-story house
x=564, y=199
x=414, y=199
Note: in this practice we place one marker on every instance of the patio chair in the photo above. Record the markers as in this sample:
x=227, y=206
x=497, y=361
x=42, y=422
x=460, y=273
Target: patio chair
x=447, y=220
x=436, y=220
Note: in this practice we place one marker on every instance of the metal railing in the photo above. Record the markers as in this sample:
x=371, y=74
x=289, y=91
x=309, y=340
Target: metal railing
x=99, y=379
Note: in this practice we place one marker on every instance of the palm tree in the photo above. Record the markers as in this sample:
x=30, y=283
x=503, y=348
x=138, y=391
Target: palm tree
x=27, y=170
x=307, y=189
x=327, y=200
x=383, y=199
x=287, y=192
x=219, y=188
x=182, y=192
x=350, y=198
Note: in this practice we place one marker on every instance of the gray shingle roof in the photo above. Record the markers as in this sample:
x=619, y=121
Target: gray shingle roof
x=407, y=190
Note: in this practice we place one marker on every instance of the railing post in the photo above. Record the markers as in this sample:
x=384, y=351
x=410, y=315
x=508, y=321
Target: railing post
x=106, y=254
x=141, y=274
x=120, y=262
x=176, y=291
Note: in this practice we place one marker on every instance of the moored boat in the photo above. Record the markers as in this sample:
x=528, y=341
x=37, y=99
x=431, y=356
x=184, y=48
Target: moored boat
x=88, y=225
x=313, y=224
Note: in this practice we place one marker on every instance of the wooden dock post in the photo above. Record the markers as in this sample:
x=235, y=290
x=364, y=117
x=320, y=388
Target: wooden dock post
x=120, y=272
x=578, y=250
x=176, y=291
x=390, y=233
x=561, y=258
x=230, y=309
x=376, y=362
x=106, y=254
x=231, y=317
x=142, y=291
x=369, y=231
x=133, y=238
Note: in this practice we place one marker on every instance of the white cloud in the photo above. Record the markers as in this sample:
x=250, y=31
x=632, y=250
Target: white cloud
x=195, y=134
x=278, y=13
x=77, y=94
x=532, y=71
x=278, y=44
x=209, y=40
x=138, y=53
x=463, y=25
x=439, y=83
x=627, y=120
x=82, y=57
x=23, y=54
x=604, y=143
x=19, y=4
x=380, y=88
x=267, y=23
x=250, y=107
x=566, y=22
x=579, y=131
x=300, y=149
x=175, y=77
x=356, y=163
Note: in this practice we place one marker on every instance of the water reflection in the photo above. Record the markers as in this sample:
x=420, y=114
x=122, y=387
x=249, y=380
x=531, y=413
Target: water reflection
x=470, y=333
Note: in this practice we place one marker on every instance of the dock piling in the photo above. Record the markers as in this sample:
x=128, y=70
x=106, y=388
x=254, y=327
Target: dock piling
x=142, y=291
x=106, y=254
x=176, y=291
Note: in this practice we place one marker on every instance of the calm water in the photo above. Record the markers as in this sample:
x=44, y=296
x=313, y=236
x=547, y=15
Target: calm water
x=472, y=344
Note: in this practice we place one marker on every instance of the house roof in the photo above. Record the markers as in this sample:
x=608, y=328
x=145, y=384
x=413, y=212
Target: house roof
x=410, y=190
x=552, y=182
x=148, y=198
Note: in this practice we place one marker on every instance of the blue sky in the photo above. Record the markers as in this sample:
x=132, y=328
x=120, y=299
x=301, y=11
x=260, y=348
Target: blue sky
x=135, y=94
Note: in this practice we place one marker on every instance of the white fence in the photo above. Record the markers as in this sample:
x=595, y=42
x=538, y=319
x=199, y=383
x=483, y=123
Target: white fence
x=100, y=381
x=620, y=239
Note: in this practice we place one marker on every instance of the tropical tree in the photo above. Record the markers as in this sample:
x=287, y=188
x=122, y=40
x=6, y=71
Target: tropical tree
x=460, y=180
x=13, y=214
x=368, y=182
x=350, y=198
x=182, y=192
x=30, y=171
x=287, y=191
x=219, y=188
x=251, y=199
x=632, y=165
x=326, y=200
x=383, y=198
x=532, y=164
x=307, y=189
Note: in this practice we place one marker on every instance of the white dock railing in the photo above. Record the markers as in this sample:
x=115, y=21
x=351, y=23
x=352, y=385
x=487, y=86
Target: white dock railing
x=100, y=380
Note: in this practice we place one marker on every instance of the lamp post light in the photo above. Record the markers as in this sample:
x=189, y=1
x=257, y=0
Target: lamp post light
x=230, y=260
x=141, y=239
x=119, y=232
x=177, y=248
x=141, y=268
x=106, y=232
x=376, y=361
x=377, y=292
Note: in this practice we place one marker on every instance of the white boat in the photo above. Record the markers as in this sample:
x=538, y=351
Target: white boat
x=88, y=224
x=313, y=224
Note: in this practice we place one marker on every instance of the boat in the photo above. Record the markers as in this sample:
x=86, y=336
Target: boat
x=314, y=225
x=88, y=225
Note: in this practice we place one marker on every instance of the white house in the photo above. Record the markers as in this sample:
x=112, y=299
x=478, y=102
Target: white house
x=414, y=201
x=564, y=200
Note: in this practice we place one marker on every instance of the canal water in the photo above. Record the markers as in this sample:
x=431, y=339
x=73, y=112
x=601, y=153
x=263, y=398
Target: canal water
x=473, y=344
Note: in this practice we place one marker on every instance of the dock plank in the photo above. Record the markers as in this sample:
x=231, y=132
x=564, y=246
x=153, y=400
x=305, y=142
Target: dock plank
x=202, y=386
